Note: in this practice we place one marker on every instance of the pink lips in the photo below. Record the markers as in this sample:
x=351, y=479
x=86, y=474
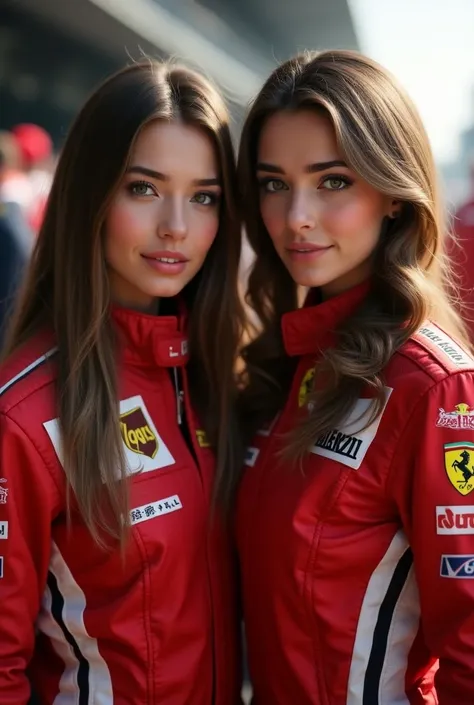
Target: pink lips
x=166, y=262
x=305, y=251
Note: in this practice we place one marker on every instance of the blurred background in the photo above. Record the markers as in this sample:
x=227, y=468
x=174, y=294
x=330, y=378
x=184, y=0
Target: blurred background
x=54, y=53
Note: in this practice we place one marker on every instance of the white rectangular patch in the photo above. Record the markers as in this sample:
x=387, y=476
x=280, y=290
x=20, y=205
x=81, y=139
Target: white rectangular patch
x=3, y=529
x=444, y=343
x=348, y=445
x=455, y=520
x=155, y=509
x=144, y=448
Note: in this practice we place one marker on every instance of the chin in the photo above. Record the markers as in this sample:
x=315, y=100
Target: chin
x=310, y=280
x=167, y=292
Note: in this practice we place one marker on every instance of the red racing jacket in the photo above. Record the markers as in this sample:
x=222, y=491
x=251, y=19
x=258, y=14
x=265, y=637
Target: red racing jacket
x=92, y=626
x=358, y=567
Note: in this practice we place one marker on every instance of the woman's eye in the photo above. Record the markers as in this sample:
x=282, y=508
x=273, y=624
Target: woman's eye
x=335, y=183
x=205, y=199
x=273, y=185
x=141, y=188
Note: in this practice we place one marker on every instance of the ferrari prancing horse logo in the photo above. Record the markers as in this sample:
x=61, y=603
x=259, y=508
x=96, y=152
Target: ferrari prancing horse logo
x=458, y=461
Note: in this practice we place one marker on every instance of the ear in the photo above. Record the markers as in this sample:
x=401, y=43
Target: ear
x=395, y=209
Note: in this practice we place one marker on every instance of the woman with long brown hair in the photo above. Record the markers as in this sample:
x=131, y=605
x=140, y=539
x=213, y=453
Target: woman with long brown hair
x=117, y=437
x=355, y=514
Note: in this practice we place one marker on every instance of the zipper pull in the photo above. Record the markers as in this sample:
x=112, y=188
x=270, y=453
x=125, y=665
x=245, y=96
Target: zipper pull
x=179, y=397
x=180, y=406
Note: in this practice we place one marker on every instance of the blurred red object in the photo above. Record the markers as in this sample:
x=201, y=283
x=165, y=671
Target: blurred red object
x=34, y=142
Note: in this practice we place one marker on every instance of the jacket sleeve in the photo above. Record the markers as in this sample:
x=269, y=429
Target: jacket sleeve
x=27, y=497
x=432, y=481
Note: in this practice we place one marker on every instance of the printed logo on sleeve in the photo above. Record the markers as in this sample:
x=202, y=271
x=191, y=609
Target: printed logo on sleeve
x=458, y=462
x=460, y=418
x=3, y=529
x=3, y=491
x=349, y=445
x=155, y=509
x=144, y=448
x=455, y=520
x=444, y=343
x=457, y=566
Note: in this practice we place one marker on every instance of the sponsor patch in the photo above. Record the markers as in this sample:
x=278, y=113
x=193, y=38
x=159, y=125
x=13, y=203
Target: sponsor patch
x=306, y=387
x=460, y=418
x=251, y=455
x=3, y=491
x=137, y=434
x=145, y=450
x=348, y=445
x=455, y=520
x=458, y=462
x=3, y=529
x=457, y=566
x=155, y=509
x=202, y=439
x=444, y=343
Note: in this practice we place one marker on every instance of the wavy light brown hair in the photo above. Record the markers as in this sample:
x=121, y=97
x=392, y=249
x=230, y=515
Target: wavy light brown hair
x=383, y=139
x=67, y=287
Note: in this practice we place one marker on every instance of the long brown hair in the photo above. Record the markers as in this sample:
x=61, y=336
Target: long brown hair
x=67, y=284
x=382, y=138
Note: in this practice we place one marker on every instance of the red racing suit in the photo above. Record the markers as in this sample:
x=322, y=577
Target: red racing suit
x=94, y=626
x=358, y=567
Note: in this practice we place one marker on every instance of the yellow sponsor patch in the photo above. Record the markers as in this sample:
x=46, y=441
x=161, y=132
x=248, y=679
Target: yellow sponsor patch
x=202, y=439
x=306, y=387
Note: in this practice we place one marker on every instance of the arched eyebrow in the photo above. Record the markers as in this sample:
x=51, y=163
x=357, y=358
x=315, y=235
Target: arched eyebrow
x=309, y=169
x=159, y=176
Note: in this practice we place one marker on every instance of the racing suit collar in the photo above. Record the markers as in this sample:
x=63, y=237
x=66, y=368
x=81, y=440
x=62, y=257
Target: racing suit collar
x=313, y=327
x=149, y=340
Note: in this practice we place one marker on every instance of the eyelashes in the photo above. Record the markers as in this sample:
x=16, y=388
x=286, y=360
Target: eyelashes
x=145, y=189
x=140, y=188
x=330, y=182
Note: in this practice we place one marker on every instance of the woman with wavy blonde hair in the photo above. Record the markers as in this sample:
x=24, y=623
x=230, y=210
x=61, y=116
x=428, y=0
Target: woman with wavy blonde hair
x=354, y=517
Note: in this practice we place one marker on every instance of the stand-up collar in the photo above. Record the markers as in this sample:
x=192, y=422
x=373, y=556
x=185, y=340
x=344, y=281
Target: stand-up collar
x=312, y=328
x=151, y=340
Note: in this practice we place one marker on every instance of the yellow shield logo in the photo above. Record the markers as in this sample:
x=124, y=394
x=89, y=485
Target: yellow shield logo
x=306, y=387
x=137, y=434
x=459, y=464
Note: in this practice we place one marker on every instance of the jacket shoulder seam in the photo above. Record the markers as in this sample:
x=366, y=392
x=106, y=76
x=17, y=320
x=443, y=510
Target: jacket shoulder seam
x=46, y=464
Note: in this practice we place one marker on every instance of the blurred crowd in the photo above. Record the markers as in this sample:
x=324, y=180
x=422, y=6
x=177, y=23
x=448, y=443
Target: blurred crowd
x=27, y=162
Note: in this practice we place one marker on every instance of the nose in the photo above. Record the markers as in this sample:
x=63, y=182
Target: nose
x=173, y=222
x=301, y=214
